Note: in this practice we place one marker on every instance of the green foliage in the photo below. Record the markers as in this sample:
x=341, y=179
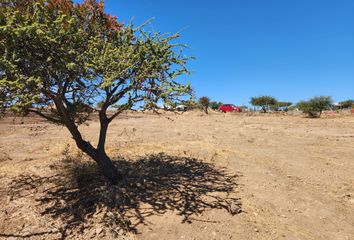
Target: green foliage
x=265, y=102
x=347, y=104
x=315, y=106
x=57, y=57
x=215, y=105
x=283, y=106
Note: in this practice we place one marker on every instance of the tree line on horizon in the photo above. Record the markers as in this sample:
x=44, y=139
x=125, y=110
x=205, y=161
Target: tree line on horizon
x=313, y=107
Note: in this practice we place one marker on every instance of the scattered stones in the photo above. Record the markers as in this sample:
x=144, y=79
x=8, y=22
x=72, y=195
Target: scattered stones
x=234, y=208
x=99, y=231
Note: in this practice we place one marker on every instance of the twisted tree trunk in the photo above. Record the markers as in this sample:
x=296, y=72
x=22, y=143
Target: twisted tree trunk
x=107, y=168
x=206, y=109
x=97, y=154
x=104, y=162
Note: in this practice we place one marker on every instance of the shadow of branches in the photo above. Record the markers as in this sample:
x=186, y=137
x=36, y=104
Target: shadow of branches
x=80, y=196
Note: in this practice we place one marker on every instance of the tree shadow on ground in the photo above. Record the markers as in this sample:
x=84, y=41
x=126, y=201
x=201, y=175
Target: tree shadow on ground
x=80, y=196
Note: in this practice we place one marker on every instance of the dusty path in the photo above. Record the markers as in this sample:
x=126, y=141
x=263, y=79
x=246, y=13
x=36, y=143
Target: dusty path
x=296, y=175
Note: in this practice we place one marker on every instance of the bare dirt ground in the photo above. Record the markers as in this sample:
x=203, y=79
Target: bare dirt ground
x=222, y=176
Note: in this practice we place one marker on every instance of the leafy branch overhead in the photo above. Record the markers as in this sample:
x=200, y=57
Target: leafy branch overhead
x=57, y=50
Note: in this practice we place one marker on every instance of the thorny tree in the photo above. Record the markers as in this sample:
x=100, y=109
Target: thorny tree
x=58, y=58
x=204, y=103
x=265, y=102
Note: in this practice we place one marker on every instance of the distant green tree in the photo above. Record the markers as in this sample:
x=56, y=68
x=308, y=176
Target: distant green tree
x=347, y=104
x=265, y=102
x=315, y=106
x=215, y=105
x=204, y=103
x=57, y=58
x=284, y=105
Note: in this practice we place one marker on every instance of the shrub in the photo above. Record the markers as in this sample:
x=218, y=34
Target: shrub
x=347, y=104
x=215, y=105
x=204, y=102
x=315, y=106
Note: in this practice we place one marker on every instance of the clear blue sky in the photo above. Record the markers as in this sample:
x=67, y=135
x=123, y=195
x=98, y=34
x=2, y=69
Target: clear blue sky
x=291, y=49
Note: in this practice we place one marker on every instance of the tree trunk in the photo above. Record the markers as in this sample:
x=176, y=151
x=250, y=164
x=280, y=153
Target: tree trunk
x=104, y=162
x=107, y=168
x=97, y=154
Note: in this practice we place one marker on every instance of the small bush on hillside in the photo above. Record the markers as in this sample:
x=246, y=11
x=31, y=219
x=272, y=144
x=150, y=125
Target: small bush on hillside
x=204, y=102
x=347, y=104
x=315, y=106
x=215, y=105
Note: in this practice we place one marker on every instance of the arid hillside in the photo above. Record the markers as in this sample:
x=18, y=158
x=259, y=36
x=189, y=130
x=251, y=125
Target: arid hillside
x=189, y=176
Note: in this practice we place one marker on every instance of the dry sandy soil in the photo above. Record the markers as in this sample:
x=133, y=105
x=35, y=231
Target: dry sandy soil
x=189, y=176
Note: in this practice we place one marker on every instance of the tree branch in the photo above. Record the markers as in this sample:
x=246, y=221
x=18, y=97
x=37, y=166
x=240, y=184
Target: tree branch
x=125, y=107
x=58, y=121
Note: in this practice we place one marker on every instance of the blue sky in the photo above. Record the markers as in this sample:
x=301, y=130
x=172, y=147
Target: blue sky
x=290, y=49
